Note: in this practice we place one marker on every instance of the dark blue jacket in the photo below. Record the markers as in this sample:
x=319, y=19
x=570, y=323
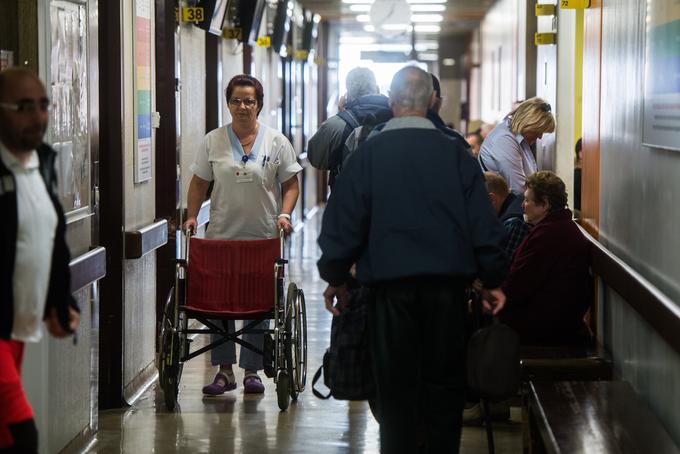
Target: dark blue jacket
x=410, y=204
x=455, y=135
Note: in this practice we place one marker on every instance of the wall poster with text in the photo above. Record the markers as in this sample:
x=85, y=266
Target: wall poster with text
x=142, y=102
x=661, y=124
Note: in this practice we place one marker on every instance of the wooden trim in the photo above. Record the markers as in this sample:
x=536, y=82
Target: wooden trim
x=140, y=242
x=87, y=268
x=212, y=89
x=592, y=88
x=654, y=306
x=112, y=203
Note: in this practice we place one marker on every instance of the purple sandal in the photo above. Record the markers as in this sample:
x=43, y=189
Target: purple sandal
x=252, y=384
x=220, y=385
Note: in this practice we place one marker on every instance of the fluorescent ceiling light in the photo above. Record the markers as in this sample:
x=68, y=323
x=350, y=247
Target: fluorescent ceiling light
x=448, y=61
x=364, y=18
x=427, y=8
x=360, y=8
x=358, y=2
x=428, y=56
x=422, y=28
x=369, y=28
x=421, y=47
x=412, y=2
x=417, y=18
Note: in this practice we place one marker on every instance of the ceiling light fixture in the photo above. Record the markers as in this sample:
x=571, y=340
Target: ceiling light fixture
x=448, y=61
x=419, y=18
x=427, y=28
x=360, y=8
x=427, y=8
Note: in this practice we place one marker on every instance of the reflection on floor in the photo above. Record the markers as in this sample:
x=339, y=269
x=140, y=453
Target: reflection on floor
x=238, y=423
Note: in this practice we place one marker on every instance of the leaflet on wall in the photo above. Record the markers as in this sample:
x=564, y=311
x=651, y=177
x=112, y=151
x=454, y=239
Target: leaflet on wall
x=143, y=149
x=661, y=124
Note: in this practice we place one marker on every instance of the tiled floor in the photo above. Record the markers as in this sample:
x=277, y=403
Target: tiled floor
x=238, y=423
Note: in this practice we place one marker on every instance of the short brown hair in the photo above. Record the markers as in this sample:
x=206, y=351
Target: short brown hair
x=532, y=115
x=548, y=188
x=244, y=80
x=496, y=184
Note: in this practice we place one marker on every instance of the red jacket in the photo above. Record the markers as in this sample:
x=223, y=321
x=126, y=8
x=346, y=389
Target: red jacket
x=549, y=286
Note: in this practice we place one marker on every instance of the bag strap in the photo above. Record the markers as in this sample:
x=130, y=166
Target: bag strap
x=316, y=378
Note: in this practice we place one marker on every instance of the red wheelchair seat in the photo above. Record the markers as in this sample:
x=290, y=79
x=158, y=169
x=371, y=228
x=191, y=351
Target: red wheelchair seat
x=231, y=279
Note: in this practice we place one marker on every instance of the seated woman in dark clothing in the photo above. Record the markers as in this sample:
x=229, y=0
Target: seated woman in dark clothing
x=549, y=286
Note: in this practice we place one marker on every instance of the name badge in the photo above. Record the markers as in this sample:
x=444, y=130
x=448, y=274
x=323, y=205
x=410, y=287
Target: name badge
x=244, y=176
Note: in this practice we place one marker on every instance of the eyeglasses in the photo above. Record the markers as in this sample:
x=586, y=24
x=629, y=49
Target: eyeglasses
x=545, y=107
x=27, y=106
x=248, y=103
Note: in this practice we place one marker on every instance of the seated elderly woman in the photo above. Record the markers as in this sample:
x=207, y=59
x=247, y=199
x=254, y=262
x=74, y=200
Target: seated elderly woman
x=549, y=286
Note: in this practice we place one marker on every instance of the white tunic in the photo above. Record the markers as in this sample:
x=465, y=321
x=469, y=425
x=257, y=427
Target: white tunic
x=246, y=197
x=37, y=223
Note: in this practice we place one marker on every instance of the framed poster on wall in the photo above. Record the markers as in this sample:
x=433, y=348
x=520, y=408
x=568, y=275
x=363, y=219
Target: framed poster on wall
x=142, y=91
x=661, y=123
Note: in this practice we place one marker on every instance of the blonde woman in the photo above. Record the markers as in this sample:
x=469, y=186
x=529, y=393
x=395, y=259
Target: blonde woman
x=507, y=149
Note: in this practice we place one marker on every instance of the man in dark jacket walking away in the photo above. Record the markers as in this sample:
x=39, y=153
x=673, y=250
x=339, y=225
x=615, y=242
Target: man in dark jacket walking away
x=34, y=258
x=363, y=105
x=508, y=205
x=412, y=212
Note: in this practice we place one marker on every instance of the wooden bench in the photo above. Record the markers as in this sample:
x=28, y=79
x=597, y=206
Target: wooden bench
x=593, y=417
x=554, y=363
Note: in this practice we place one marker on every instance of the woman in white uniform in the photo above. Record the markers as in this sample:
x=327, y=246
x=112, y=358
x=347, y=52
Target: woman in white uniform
x=254, y=170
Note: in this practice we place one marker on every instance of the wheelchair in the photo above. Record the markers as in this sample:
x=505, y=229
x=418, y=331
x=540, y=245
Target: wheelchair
x=217, y=280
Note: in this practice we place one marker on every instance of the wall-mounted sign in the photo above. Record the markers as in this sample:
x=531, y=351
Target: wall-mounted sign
x=192, y=14
x=301, y=55
x=232, y=33
x=264, y=41
x=661, y=123
x=542, y=39
x=544, y=9
x=574, y=4
x=142, y=94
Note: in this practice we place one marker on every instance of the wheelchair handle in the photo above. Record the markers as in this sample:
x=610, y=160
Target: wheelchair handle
x=282, y=240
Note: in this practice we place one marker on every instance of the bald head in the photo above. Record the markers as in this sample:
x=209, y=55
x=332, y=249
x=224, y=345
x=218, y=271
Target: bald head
x=12, y=76
x=411, y=92
x=23, y=111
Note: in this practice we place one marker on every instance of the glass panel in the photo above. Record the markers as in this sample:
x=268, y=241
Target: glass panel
x=69, y=120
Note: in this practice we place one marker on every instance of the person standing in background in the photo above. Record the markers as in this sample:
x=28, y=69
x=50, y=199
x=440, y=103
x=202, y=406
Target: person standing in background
x=507, y=149
x=34, y=257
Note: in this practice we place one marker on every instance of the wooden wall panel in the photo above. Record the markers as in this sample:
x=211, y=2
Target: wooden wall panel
x=592, y=60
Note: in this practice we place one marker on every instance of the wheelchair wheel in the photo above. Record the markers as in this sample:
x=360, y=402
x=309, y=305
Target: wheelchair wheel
x=173, y=341
x=288, y=340
x=283, y=389
x=299, y=325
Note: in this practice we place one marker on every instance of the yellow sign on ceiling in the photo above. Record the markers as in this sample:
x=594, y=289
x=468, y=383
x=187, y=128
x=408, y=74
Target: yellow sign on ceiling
x=544, y=9
x=574, y=4
x=541, y=39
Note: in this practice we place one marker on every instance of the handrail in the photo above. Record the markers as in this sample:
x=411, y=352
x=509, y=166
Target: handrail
x=651, y=303
x=87, y=268
x=140, y=242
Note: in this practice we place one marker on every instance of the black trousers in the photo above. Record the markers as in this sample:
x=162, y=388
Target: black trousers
x=418, y=355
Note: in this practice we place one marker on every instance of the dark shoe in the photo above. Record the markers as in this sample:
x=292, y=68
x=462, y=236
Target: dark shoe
x=252, y=384
x=220, y=385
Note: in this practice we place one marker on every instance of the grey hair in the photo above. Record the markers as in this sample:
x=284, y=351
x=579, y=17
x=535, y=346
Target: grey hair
x=411, y=89
x=361, y=82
